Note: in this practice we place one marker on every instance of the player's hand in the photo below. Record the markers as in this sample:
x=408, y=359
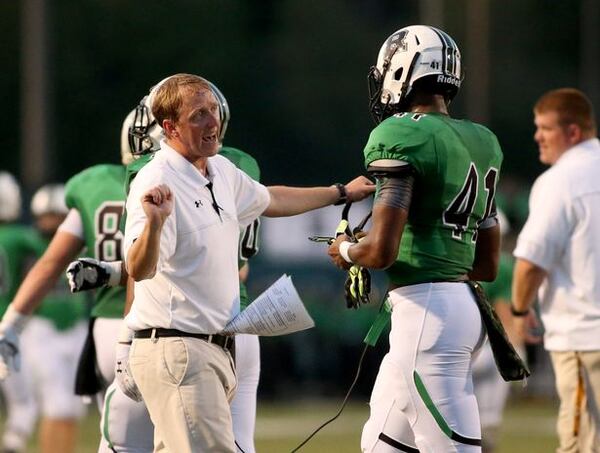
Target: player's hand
x=334, y=252
x=122, y=371
x=158, y=203
x=358, y=287
x=11, y=326
x=527, y=327
x=87, y=273
x=359, y=188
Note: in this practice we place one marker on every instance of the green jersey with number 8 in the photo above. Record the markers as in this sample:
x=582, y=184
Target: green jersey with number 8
x=456, y=164
x=98, y=195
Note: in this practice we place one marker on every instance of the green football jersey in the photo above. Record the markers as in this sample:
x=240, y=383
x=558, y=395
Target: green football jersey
x=61, y=307
x=249, y=238
x=20, y=247
x=456, y=165
x=501, y=288
x=97, y=193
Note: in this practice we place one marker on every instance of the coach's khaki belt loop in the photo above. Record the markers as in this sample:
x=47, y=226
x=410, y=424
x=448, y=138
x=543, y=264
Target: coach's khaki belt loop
x=209, y=340
x=153, y=336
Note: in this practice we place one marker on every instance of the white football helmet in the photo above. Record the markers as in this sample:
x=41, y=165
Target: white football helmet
x=49, y=199
x=10, y=198
x=415, y=53
x=224, y=112
x=140, y=133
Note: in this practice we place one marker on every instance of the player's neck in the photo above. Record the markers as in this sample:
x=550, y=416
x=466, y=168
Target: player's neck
x=429, y=104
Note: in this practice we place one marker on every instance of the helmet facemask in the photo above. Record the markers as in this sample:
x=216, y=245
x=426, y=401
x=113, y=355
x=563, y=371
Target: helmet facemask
x=140, y=132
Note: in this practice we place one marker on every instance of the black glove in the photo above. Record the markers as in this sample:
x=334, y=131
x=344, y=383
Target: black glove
x=357, y=287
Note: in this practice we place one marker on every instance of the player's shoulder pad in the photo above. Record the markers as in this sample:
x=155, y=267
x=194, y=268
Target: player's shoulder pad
x=242, y=160
x=400, y=137
x=76, y=184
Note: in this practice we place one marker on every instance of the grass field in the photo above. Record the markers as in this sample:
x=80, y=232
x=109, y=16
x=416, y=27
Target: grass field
x=528, y=428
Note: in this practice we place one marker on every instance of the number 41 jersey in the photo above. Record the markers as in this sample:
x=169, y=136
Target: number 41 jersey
x=456, y=165
x=98, y=194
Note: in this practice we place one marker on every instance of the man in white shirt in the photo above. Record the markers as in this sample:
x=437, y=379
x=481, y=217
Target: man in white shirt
x=184, y=214
x=558, y=257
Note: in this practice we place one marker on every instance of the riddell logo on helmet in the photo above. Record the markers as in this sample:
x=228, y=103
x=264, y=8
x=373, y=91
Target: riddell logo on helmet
x=448, y=79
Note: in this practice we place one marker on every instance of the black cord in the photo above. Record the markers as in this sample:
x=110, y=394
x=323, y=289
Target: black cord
x=238, y=445
x=362, y=356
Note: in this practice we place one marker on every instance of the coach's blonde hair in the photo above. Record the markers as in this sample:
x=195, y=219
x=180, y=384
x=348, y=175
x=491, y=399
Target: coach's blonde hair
x=572, y=106
x=167, y=96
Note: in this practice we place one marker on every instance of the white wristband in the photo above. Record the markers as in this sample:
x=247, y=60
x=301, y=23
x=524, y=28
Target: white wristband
x=343, y=248
x=14, y=319
x=114, y=272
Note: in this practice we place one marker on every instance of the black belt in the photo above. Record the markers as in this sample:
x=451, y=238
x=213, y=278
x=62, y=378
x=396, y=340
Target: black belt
x=225, y=341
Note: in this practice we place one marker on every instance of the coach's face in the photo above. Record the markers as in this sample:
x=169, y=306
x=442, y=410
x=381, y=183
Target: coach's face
x=197, y=128
x=552, y=137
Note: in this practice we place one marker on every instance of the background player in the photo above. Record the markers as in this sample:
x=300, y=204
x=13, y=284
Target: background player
x=95, y=198
x=53, y=339
x=19, y=248
x=433, y=227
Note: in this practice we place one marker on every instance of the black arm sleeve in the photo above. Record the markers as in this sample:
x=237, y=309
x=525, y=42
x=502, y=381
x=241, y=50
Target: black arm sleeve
x=394, y=185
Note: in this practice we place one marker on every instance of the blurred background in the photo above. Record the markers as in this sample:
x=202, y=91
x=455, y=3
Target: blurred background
x=295, y=75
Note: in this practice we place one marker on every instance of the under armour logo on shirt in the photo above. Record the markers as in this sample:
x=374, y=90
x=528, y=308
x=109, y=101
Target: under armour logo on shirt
x=198, y=203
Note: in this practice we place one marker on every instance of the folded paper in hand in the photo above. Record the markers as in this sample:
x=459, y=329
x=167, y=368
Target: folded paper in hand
x=277, y=311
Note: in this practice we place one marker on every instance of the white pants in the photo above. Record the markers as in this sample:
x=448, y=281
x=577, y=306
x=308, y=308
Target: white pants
x=243, y=406
x=490, y=389
x=50, y=357
x=21, y=408
x=423, y=395
x=125, y=425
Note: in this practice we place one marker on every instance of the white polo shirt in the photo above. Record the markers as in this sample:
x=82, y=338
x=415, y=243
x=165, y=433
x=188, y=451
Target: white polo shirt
x=562, y=235
x=196, y=284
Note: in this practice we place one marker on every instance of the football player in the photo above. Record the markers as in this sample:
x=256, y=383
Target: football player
x=54, y=337
x=19, y=246
x=434, y=227
x=95, y=198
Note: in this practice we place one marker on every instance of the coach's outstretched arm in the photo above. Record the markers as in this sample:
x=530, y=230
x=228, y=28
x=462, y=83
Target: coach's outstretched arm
x=288, y=201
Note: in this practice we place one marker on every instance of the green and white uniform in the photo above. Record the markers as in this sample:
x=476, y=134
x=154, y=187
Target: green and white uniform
x=456, y=164
x=19, y=248
x=423, y=390
x=51, y=345
x=247, y=347
x=98, y=196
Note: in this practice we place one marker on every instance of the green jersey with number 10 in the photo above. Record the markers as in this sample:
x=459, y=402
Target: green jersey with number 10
x=456, y=164
x=98, y=195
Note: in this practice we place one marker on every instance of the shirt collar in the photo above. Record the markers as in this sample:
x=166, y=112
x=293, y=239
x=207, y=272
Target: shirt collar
x=183, y=166
x=590, y=145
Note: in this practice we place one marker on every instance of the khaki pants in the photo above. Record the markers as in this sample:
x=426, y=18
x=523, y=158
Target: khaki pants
x=578, y=387
x=187, y=385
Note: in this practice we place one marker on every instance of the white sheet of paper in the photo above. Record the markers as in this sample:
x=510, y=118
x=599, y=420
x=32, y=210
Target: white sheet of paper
x=277, y=311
